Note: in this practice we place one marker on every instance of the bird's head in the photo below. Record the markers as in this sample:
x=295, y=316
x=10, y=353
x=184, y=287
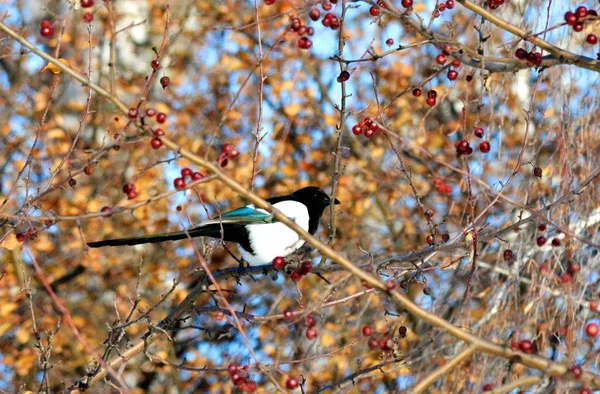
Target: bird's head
x=314, y=198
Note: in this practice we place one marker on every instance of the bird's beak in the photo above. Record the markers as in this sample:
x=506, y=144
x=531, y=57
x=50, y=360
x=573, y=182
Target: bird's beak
x=336, y=201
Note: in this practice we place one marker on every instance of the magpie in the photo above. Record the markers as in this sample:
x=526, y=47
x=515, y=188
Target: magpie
x=260, y=237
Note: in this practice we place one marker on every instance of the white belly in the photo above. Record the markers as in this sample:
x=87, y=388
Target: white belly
x=276, y=239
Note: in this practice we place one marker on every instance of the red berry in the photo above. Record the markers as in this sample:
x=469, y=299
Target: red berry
x=431, y=94
x=440, y=59
x=269, y=2
x=314, y=14
x=46, y=32
x=591, y=330
x=570, y=18
x=88, y=17
x=592, y=39
x=326, y=5
x=407, y=3
x=581, y=12
x=156, y=143
x=304, y=43
x=542, y=226
x=150, y=112
x=369, y=133
x=305, y=267
x=373, y=343
x=196, y=176
x=487, y=387
x=106, y=209
x=484, y=147
x=131, y=195
x=344, y=76
x=186, y=172
x=442, y=6
x=374, y=11
x=526, y=346
x=576, y=371
x=367, y=331
x=310, y=321
x=165, y=81
x=89, y=169
x=573, y=267
x=478, y=132
x=541, y=240
x=161, y=117
x=45, y=23
x=296, y=276
x=291, y=383
x=537, y=171
x=578, y=27
x=356, y=129
x=249, y=387
x=232, y=368
x=390, y=284
x=566, y=278
x=310, y=30
x=521, y=54
x=456, y=63
x=311, y=333
x=452, y=75
x=288, y=314
x=87, y=3
x=593, y=305
x=128, y=187
x=450, y=4
x=389, y=42
x=133, y=113
x=417, y=92
x=179, y=183
x=155, y=64
x=436, y=14
x=159, y=132
x=279, y=263
x=585, y=390
x=431, y=101
x=508, y=255
x=20, y=237
x=555, y=242
x=386, y=344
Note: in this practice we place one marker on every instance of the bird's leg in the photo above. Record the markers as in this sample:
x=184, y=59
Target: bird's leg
x=241, y=268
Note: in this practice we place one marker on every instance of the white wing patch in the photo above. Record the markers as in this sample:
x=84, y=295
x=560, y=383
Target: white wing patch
x=276, y=239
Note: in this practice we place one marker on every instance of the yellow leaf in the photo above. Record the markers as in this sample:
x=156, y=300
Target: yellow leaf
x=292, y=109
x=7, y=308
x=54, y=68
x=10, y=242
x=419, y=7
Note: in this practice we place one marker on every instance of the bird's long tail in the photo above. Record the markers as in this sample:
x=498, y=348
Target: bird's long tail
x=202, y=231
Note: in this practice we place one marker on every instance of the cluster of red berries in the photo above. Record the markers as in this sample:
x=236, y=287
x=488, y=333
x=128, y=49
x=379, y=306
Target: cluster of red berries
x=227, y=152
x=441, y=7
x=376, y=10
x=30, y=234
x=541, y=239
x=279, y=264
x=431, y=96
x=367, y=126
x=161, y=118
x=493, y=4
x=533, y=58
x=386, y=344
x=46, y=29
x=303, y=31
x=441, y=187
x=239, y=377
x=524, y=345
x=578, y=18
x=186, y=173
x=130, y=190
x=452, y=74
x=311, y=332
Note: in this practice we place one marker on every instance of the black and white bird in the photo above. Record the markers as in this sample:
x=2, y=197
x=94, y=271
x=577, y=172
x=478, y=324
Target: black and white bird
x=260, y=237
